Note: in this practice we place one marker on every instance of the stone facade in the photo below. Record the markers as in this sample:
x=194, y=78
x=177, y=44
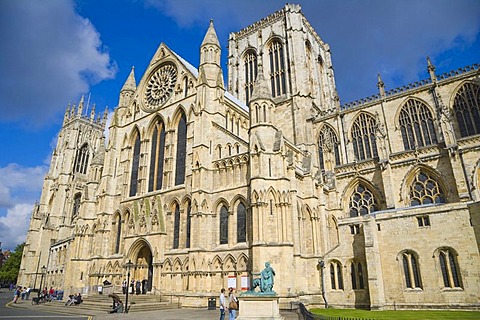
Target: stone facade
x=373, y=204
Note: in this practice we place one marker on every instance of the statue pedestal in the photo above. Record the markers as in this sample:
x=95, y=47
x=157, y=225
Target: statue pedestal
x=258, y=307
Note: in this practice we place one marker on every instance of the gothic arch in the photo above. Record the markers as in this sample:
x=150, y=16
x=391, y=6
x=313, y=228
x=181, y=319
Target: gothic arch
x=229, y=263
x=404, y=102
x=219, y=202
x=410, y=177
x=135, y=248
x=460, y=132
x=344, y=200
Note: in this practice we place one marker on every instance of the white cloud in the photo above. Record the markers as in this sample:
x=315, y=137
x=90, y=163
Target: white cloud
x=20, y=187
x=14, y=226
x=51, y=55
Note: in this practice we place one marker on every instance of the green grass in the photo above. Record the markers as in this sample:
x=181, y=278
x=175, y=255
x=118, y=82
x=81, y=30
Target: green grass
x=401, y=315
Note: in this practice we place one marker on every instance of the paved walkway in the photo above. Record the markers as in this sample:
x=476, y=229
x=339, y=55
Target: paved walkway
x=171, y=314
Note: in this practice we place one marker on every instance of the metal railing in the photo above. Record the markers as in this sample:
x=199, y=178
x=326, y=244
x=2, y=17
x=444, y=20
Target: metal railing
x=307, y=315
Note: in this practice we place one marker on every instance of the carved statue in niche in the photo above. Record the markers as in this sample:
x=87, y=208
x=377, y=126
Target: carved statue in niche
x=381, y=137
x=131, y=226
x=143, y=224
x=155, y=221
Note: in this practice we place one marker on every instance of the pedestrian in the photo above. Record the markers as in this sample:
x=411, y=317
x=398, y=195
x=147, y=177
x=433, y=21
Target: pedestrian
x=124, y=286
x=144, y=285
x=222, y=304
x=138, y=286
x=24, y=293
x=27, y=295
x=132, y=286
x=16, y=294
x=232, y=304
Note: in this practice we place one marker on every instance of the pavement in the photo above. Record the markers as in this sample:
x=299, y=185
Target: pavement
x=58, y=312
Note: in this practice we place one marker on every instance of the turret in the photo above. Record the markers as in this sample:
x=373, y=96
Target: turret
x=128, y=90
x=210, y=71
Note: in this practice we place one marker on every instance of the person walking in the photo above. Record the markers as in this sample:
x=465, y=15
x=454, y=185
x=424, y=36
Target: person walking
x=232, y=304
x=144, y=285
x=222, y=304
x=138, y=286
x=124, y=286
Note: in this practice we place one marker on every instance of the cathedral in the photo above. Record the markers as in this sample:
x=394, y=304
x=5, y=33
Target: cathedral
x=199, y=182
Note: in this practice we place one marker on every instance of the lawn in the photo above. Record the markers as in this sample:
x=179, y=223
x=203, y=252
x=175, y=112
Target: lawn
x=401, y=315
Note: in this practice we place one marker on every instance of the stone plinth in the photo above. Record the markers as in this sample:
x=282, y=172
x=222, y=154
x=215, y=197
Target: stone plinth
x=261, y=307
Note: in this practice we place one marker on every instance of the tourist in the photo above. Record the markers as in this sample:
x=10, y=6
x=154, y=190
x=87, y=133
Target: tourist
x=132, y=286
x=144, y=285
x=16, y=294
x=138, y=286
x=124, y=286
x=222, y=304
x=232, y=304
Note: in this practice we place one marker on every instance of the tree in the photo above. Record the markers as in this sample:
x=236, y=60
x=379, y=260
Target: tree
x=9, y=270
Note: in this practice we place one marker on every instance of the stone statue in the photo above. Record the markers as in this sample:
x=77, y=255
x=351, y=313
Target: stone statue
x=266, y=280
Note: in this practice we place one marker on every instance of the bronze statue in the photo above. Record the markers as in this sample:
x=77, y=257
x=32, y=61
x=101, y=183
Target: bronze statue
x=266, y=280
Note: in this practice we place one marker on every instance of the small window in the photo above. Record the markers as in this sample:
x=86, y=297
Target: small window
x=336, y=277
x=423, y=221
x=355, y=229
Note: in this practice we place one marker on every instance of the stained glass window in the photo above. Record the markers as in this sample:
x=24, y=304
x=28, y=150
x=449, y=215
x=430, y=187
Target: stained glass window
x=363, y=137
x=135, y=164
x=362, y=201
x=416, y=125
x=467, y=109
x=181, y=150
x=277, y=69
x=425, y=190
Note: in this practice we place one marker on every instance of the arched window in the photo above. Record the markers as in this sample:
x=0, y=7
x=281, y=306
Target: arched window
x=81, y=162
x=277, y=68
x=185, y=87
x=363, y=137
x=328, y=149
x=135, y=164
x=241, y=223
x=336, y=278
x=157, y=158
x=119, y=234
x=467, y=109
x=176, y=227
x=416, y=125
x=181, y=150
x=189, y=225
x=356, y=272
x=425, y=190
x=251, y=70
x=362, y=201
x=449, y=267
x=411, y=270
x=223, y=225
x=76, y=205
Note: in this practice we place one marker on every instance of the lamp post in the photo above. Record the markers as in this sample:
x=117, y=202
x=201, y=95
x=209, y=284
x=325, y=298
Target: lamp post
x=321, y=266
x=128, y=265
x=43, y=270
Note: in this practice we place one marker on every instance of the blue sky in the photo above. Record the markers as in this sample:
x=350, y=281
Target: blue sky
x=54, y=51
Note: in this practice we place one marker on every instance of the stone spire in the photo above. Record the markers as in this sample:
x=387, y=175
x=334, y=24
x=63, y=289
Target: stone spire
x=130, y=84
x=261, y=89
x=211, y=36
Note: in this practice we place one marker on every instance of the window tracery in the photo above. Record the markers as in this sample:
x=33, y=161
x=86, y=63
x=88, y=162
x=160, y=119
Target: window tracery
x=251, y=70
x=241, y=223
x=223, y=225
x=135, y=166
x=329, y=149
x=362, y=201
x=467, y=109
x=425, y=190
x=417, y=125
x=157, y=158
x=277, y=69
x=181, y=150
x=81, y=162
x=363, y=137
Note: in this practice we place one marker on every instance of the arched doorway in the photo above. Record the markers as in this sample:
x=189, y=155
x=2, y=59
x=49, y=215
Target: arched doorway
x=141, y=256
